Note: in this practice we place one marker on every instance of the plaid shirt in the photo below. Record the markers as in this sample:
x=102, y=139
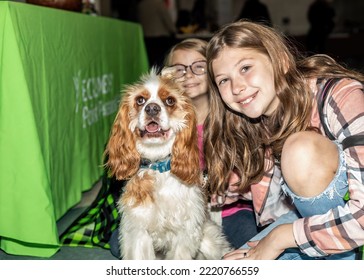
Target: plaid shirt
x=340, y=229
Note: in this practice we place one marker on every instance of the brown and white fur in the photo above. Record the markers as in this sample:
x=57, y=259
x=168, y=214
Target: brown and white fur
x=163, y=214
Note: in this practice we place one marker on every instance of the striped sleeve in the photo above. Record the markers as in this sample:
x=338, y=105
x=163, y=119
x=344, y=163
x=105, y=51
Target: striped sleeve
x=341, y=229
x=268, y=198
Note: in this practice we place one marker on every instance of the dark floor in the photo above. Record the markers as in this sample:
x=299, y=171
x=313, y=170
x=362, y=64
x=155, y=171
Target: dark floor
x=67, y=252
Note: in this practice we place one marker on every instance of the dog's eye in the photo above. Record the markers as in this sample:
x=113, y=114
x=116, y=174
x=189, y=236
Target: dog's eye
x=140, y=100
x=170, y=101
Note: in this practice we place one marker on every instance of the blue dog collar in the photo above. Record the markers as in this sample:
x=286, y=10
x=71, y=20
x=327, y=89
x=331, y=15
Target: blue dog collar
x=160, y=165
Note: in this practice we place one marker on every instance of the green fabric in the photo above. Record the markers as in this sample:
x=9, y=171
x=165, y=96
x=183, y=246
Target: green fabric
x=60, y=77
x=97, y=222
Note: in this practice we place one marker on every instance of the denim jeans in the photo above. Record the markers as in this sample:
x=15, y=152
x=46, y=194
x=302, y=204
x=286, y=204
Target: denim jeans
x=240, y=227
x=331, y=197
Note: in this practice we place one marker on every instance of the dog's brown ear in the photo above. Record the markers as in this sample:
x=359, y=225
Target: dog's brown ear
x=185, y=162
x=122, y=156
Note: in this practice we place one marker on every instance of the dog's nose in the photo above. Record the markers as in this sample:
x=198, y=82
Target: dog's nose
x=152, y=109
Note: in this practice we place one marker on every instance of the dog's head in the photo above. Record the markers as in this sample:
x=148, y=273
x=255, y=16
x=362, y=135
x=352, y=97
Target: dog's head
x=155, y=119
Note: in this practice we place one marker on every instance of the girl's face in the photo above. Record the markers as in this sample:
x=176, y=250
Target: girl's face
x=195, y=85
x=245, y=81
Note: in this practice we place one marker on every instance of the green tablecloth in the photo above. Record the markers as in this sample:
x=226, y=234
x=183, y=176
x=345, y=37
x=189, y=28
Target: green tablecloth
x=60, y=79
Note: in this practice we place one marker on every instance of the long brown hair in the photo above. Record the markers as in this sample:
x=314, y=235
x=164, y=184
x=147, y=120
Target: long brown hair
x=324, y=66
x=235, y=142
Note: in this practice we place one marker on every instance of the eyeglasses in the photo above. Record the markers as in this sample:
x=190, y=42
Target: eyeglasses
x=179, y=70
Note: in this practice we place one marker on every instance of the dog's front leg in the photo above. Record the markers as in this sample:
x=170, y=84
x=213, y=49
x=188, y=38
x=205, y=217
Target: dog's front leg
x=182, y=248
x=137, y=245
x=214, y=244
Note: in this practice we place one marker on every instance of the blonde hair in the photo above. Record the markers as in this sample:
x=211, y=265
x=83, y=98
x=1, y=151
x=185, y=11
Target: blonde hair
x=194, y=44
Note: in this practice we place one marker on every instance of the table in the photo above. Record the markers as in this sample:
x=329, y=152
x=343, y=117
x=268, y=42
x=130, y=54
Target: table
x=61, y=74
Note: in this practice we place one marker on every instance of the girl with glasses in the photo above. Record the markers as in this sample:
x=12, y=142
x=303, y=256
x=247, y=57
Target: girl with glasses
x=186, y=62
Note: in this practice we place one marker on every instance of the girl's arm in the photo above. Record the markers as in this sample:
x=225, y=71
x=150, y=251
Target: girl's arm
x=340, y=229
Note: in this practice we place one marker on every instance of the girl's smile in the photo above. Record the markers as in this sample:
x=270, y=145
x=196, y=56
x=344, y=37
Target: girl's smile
x=245, y=81
x=247, y=100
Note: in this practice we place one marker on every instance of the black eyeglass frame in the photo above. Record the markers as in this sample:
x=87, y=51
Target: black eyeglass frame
x=169, y=68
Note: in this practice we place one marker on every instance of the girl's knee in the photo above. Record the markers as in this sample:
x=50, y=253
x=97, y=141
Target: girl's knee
x=309, y=162
x=301, y=152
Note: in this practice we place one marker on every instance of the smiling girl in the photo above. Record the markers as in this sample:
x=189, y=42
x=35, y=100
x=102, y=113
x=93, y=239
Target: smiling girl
x=264, y=126
x=187, y=60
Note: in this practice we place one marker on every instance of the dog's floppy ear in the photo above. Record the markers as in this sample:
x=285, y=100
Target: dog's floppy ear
x=185, y=162
x=123, y=158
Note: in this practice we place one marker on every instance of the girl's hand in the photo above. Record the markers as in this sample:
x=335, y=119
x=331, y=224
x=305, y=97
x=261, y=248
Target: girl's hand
x=268, y=248
x=258, y=251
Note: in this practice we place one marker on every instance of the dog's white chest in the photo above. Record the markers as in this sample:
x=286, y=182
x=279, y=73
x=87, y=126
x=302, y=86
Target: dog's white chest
x=176, y=213
x=174, y=203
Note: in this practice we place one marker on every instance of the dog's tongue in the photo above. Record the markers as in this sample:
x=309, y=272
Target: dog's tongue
x=152, y=127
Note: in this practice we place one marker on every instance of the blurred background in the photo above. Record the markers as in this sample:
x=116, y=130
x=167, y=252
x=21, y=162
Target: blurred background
x=344, y=42
x=200, y=18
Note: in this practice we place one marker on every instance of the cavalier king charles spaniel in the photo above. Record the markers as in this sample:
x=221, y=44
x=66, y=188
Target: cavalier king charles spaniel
x=153, y=145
